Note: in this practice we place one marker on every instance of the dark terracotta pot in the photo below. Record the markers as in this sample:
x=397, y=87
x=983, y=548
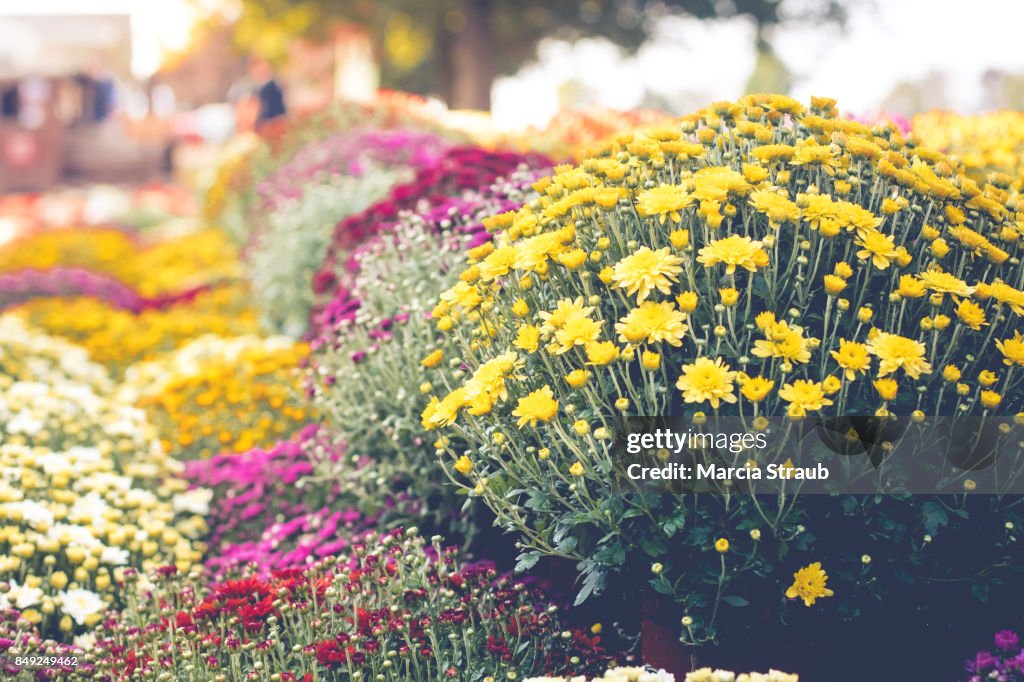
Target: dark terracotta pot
x=659, y=635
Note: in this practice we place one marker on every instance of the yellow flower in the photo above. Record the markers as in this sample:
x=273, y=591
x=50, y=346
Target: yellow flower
x=810, y=153
x=464, y=465
x=679, y=239
x=843, y=270
x=576, y=469
x=443, y=412
x=809, y=584
x=971, y=314
x=687, y=301
x=647, y=270
x=939, y=248
x=601, y=352
x=577, y=377
x=987, y=378
x=756, y=389
x=480, y=252
x=852, y=357
x=735, y=251
x=527, y=338
x=707, y=380
x=1012, y=349
x=834, y=284
x=664, y=202
x=1004, y=293
x=652, y=323
x=804, y=396
x=783, y=341
x=650, y=360
x=990, y=399
x=911, y=287
x=729, y=296
x=573, y=258
x=895, y=352
x=764, y=320
x=777, y=207
x=537, y=406
x=945, y=283
x=577, y=329
x=831, y=384
x=721, y=545
x=463, y=295
x=487, y=384
x=886, y=388
x=581, y=426
x=877, y=247
x=520, y=308
x=499, y=262
x=565, y=309
x=434, y=359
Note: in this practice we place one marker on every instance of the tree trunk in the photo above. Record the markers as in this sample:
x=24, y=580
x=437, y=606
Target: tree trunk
x=443, y=69
x=473, y=60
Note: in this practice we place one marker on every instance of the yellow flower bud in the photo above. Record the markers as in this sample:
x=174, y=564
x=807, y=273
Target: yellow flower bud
x=59, y=580
x=650, y=360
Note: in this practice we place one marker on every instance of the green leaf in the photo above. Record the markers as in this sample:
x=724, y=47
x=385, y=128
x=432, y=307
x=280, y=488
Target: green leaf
x=935, y=517
x=593, y=583
x=527, y=561
x=733, y=600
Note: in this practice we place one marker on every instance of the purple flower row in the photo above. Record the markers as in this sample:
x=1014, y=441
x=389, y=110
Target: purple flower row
x=23, y=285
x=348, y=153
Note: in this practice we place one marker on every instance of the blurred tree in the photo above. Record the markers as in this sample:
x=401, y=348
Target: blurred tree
x=456, y=48
x=770, y=73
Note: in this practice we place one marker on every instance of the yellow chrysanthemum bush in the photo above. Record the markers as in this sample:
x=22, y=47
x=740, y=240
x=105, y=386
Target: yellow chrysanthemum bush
x=86, y=490
x=194, y=259
x=759, y=259
x=222, y=395
x=118, y=338
x=986, y=143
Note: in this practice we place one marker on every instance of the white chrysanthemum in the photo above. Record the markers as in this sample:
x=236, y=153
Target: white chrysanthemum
x=25, y=422
x=194, y=501
x=32, y=513
x=91, y=507
x=80, y=604
x=73, y=535
x=115, y=556
x=22, y=597
x=85, y=642
x=55, y=463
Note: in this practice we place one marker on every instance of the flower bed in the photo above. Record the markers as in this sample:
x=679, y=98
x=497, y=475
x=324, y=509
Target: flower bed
x=85, y=490
x=219, y=394
x=394, y=607
x=266, y=515
x=119, y=338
